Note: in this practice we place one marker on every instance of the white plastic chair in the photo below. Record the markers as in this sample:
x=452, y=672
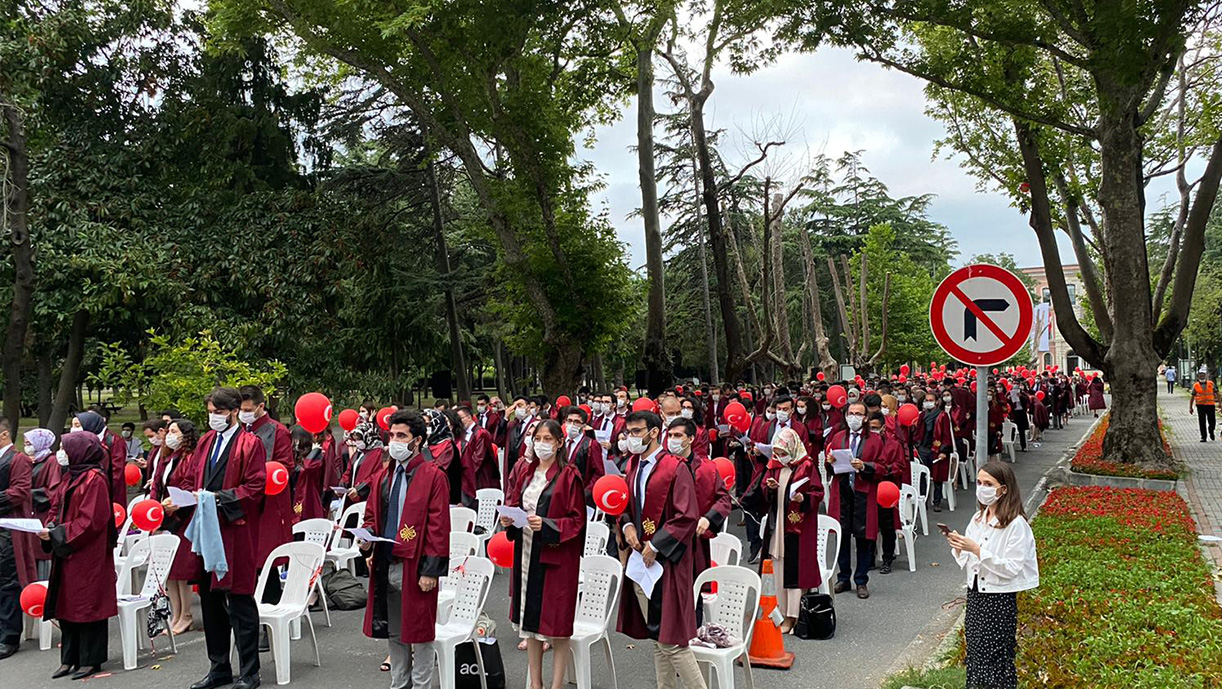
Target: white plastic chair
x=462, y=518
x=725, y=549
x=463, y=546
x=344, y=551
x=159, y=552
x=592, y=623
x=948, y=486
x=486, y=502
x=1008, y=429
x=304, y=568
x=829, y=548
x=320, y=531
x=39, y=628
x=922, y=484
x=736, y=607
x=967, y=475
x=471, y=592
x=597, y=535
x=907, y=530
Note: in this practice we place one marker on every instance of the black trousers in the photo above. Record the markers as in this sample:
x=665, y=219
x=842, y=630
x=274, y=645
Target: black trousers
x=83, y=643
x=886, y=532
x=226, y=613
x=1206, y=419
x=1170, y=386
x=10, y=592
x=1020, y=420
x=865, y=559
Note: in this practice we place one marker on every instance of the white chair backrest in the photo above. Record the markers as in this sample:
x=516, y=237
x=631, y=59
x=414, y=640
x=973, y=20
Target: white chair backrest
x=829, y=540
x=596, y=539
x=461, y=518
x=123, y=547
x=908, y=506
x=737, y=602
x=920, y=480
x=471, y=584
x=462, y=545
x=317, y=530
x=162, y=549
x=725, y=549
x=487, y=500
x=357, y=509
x=954, y=468
x=136, y=557
x=603, y=578
x=1008, y=429
x=305, y=565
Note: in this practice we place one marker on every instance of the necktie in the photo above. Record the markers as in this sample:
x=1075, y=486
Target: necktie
x=856, y=439
x=640, y=490
x=395, y=507
x=216, y=450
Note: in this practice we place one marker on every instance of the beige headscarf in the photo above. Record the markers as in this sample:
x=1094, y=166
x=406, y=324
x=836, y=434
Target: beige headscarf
x=891, y=403
x=789, y=441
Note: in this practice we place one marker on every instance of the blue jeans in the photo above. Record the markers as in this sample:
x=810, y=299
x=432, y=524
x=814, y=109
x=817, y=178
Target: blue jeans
x=865, y=558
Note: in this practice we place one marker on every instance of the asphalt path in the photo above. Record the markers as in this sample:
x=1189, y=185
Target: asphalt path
x=871, y=634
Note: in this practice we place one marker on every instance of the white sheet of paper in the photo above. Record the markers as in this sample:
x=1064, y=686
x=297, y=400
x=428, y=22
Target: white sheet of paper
x=361, y=533
x=765, y=450
x=827, y=431
x=181, y=498
x=19, y=524
x=610, y=469
x=336, y=504
x=763, y=526
x=603, y=435
x=842, y=462
x=723, y=428
x=339, y=489
x=517, y=514
x=647, y=577
x=793, y=487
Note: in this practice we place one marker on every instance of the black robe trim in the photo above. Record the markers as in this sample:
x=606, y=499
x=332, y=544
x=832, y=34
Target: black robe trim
x=528, y=619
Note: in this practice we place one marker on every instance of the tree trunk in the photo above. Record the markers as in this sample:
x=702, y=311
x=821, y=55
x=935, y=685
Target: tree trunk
x=501, y=389
x=457, y=364
x=779, y=306
x=45, y=400
x=709, y=334
x=69, y=372
x=656, y=357
x=562, y=371
x=826, y=362
x=17, y=203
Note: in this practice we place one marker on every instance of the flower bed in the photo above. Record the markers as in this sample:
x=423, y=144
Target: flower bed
x=1125, y=597
x=1089, y=459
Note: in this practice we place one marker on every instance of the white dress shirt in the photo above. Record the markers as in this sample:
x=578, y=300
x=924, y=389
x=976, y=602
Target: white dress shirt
x=1007, y=561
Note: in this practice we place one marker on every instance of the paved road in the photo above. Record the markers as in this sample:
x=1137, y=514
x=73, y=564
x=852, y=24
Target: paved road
x=871, y=634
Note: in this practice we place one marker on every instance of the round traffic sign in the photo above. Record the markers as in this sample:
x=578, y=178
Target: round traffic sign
x=981, y=314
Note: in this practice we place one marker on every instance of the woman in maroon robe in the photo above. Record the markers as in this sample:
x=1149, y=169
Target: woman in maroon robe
x=934, y=442
x=368, y=460
x=1095, y=401
x=793, y=491
x=175, y=470
x=305, y=478
x=44, y=480
x=999, y=412
x=444, y=451
x=547, y=553
x=80, y=547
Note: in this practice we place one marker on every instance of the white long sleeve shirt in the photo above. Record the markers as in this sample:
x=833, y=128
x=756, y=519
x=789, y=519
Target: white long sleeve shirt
x=1007, y=561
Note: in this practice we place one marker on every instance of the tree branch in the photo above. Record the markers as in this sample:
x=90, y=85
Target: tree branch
x=882, y=342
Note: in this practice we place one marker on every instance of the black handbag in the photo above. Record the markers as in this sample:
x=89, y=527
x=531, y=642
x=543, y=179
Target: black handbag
x=816, y=617
x=466, y=670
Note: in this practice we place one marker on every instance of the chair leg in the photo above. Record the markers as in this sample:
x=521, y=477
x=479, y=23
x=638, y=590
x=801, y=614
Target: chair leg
x=127, y=632
x=173, y=642
x=950, y=495
x=314, y=640
x=445, y=665
x=579, y=655
x=279, y=637
x=747, y=672
x=910, y=545
x=610, y=661
x=479, y=662
x=322, y=595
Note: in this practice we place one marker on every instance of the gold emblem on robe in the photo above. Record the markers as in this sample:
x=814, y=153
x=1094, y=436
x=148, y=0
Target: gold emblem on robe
x=795, y=517
x=649, y=527
x=407, y=533
x=297, y=508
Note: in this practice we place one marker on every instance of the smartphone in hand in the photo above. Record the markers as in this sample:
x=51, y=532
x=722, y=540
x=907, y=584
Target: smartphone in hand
x=944, y=529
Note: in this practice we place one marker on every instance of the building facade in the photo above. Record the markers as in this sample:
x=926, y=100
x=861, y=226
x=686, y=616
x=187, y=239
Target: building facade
x=1047, y=344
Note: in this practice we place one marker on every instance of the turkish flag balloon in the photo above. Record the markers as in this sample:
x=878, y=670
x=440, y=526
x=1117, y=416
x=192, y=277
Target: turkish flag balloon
x=34, y=598
x=348, y=419
x=383, y=417
x=500, y=549
x=120, y=513
x=147, y=515
x=313, y=412
x=611, y=494
x=131, y=474
x=563, y=401
x=277, y=478
x=726, y=470
x=888, y=495
x=735, y=415
x=644, y=404
x=908, y=414
x=837, y=396
x=905, y=369
x=820, y=375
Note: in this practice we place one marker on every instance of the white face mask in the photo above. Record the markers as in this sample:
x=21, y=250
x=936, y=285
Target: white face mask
x=364, y=415
x=623, y=445
x=854, y=421
x=716, y=398
x=674, y=446
x=173, y=441
x=885, y=410
x=520, y=413
x=688, y=413
x=156, y=441
x=801, y=411
x=621, y=402
x=75, y=429
x=218, y=422
x=530, y=441
x=782, y=415
x=826, y=406
x=62, y=458
x=947, y=399
x=28, y=449
x=781, y=457
x=986, y=495
x=769, y=415
x=246, y=417
x=545, y=451
x=359, y=444
x=573, y=431
x=901, y=398
x=481, y=408
x=929, y=404
x=399, y=451
x=636, y=445
x=127, y=435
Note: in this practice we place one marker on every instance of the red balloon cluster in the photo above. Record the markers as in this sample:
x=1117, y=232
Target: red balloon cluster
x=908, y=414
x=736, y=416
x=147, y=515
x=313, y=412
x=611, y=494
x=277, y=478
x=131, y=474
x=837, y=396
x=34, y=598
x=348, y=419
x=500, y=549
x=888, y=495
x=726, y=470
x=120, y=513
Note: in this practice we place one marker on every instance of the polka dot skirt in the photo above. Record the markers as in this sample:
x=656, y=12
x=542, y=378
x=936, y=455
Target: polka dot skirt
x=990, y=625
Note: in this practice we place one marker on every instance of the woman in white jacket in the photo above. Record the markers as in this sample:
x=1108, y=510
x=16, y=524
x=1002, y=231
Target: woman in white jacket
x=998, y=555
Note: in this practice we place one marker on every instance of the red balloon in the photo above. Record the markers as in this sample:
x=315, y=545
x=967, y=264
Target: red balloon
x=120, y=513
x=500, y=549
x=383, y=417
x=888, y=495
x=837, y=396
x=1007, y=383
x=995, y=371
x=942, y=368
x=34, y=598
x=147, y=515
x=313, y=412
x=712, y=435
x=348, y=419
x=586, y=408
x=903, y=378
x=905, y=369
x=726, y=470
x=908, y=414
x=820, y=375
x=1039, y=395
x=563, y=401
x=611, y=494
x=644, y=404
x=933, y=364
x=131, y=474
x=679, y=389
x=277, y=478
x=973, y=386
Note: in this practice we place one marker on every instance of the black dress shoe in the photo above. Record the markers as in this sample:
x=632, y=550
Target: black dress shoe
x=863, y=592
x=886, y=568
x=247, y=683
x=210, y=682
x=841, y=587
x=87, y=672
x=7, y=650
x=937, y=507
x=63, y=671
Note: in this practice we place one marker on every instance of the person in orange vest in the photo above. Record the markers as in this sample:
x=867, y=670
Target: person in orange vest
x=1204, y=399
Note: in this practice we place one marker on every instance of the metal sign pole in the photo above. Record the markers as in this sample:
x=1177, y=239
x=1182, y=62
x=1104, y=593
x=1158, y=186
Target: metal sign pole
x=982, y=418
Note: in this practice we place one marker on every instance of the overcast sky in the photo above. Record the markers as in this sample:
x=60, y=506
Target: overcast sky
x=832, y=104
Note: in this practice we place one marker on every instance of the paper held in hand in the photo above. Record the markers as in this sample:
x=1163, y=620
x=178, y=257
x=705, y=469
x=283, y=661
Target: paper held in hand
x=646, y=577
x=181, y=498
x=842, y=462
x=517, y=514
x=363, y=534
x=26, y=525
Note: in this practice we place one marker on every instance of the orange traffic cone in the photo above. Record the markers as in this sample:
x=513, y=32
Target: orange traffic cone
x=767, y=646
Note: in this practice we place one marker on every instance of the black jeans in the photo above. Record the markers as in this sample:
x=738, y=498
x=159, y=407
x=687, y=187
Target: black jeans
x=1206, y=419
x=10, y=592
x=224, y=613
x=1170, y=386
x=865, y=558
x=886, y=532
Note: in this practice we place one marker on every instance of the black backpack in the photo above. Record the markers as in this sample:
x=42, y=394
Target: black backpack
x=816, y=617
x=343, y=591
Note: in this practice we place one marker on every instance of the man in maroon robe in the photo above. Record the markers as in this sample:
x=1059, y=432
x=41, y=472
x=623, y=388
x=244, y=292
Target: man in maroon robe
x=479, y=463
x=232, y=463
x=893, y=469
x=525, y=412
x=16, y=561
x=582, y=450
x=712, y=496
x=660, y=522
x=409, y=504
x=489, y=419
x=854, y=498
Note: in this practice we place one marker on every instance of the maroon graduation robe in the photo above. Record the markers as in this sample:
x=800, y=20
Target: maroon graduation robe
x=368, y=465
x=555, y=554
x=183, y=476
x=421, y=548
x=801, y=557
x=667, y=520
x=239, y=504
x=116, y=450
x=1095, y=401
x=82, y=584
x=307, y=491
x=446, y=456
x=276, y=519
x=588, y=460
x=869, y=451
x=713, y=503
x=700, y=444
x=479, y=463
x=895, y=469
x=15, y=468
x=45, y=475
x=943, y=442
x=333, y=463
